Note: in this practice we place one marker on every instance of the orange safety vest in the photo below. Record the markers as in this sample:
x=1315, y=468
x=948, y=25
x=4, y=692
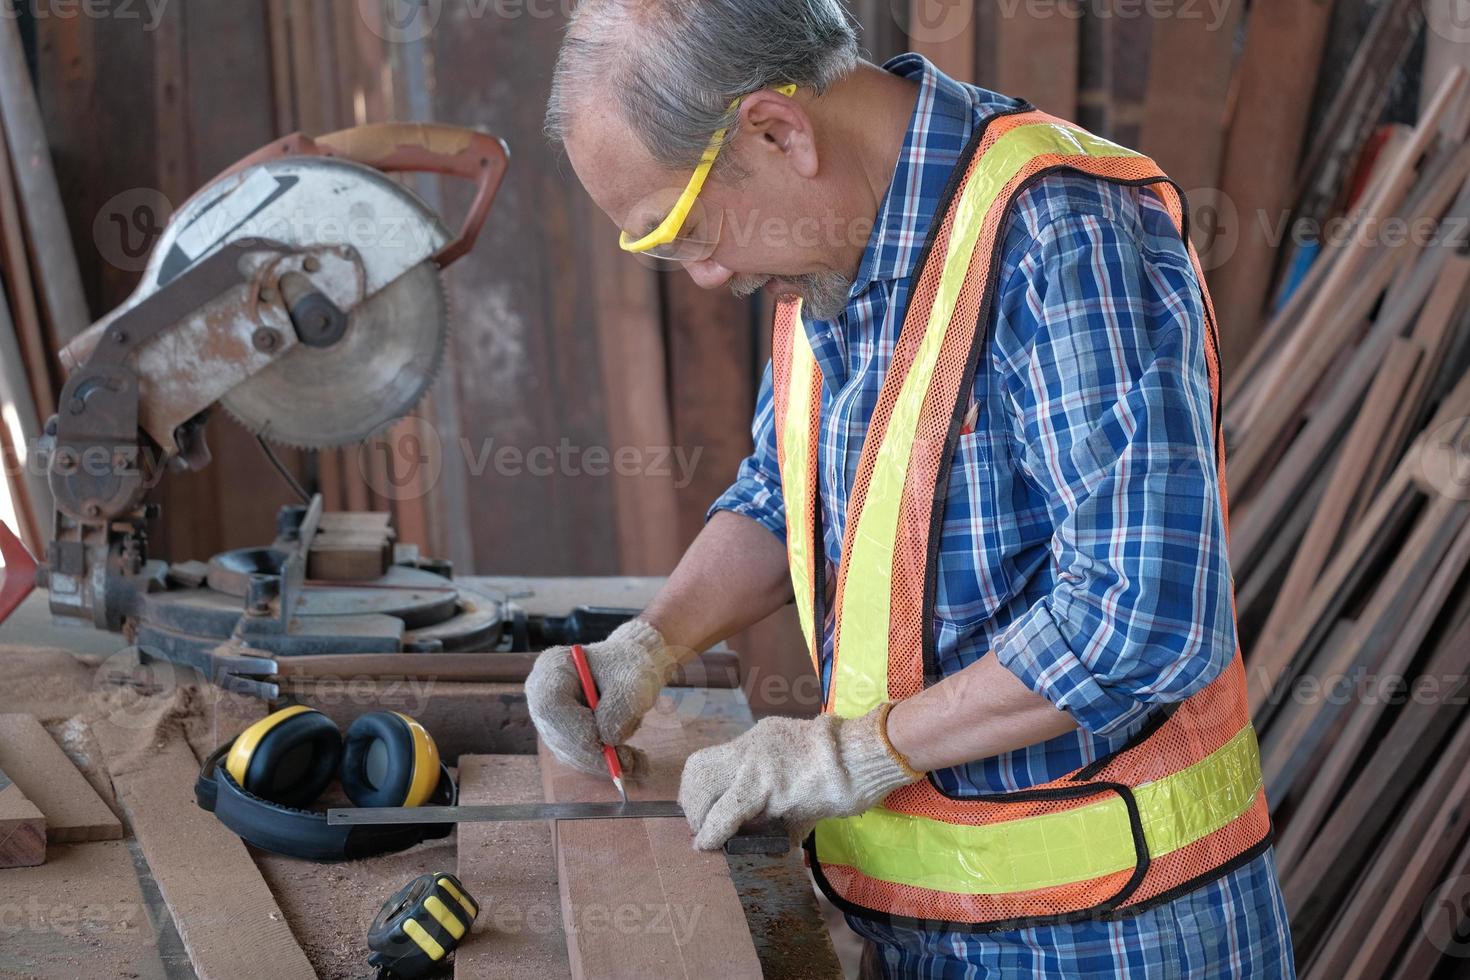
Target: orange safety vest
x=1183, y=802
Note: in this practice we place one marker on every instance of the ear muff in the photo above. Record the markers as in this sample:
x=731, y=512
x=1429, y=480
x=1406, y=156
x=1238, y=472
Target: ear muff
x=389, y=759
x=288, y=757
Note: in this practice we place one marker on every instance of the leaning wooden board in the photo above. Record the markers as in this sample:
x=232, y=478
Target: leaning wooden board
x=637, y=899
x=22, y=828
x=74, y=812
x=226, y=916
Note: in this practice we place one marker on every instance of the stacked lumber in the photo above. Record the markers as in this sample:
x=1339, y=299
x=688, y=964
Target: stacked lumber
x=1348, y=434
x=38, y=313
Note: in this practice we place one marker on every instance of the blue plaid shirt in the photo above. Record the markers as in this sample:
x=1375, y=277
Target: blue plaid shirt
x=1083, y=541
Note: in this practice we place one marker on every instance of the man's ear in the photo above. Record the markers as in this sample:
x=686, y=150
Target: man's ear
x=773, y=123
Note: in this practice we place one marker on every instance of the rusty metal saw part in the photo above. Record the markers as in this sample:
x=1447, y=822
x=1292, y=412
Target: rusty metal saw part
x=319, y=398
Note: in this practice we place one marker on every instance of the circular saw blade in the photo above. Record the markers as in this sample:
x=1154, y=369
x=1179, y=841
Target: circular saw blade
x=320, y=398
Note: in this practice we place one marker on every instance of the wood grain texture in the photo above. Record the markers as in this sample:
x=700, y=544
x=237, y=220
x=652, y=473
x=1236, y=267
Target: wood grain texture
x=74, y=811
x=637, y=899
x=1276, y=79
x=509, y=869
x=81, y=914
x=226, y=916
x=22, y=828
x=1190, y=67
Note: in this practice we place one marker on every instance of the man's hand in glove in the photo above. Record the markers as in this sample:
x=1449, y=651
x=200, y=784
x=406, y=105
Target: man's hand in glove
x=795, y=771
x=631, y=666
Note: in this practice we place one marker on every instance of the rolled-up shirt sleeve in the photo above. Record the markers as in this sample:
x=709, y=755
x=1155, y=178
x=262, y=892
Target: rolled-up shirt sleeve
x=756, y=492
x=1101, y=349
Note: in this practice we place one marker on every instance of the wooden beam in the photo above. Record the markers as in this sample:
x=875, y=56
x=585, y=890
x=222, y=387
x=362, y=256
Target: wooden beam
x=225, y=914
x=510, y=869
x=22, y=828
x=1277, y=78
x=944, y=32
x=74, y=812
x=1036, y=53
x=1191, y=61
x=637, y=899
x=61, y=284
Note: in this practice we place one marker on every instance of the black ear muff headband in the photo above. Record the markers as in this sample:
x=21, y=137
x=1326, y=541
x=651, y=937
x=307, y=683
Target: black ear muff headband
x=303, y=833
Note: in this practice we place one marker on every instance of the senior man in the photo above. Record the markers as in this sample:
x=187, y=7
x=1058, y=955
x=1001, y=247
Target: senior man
x=988, y=471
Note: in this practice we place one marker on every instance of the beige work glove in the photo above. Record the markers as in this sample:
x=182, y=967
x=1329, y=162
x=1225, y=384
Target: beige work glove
x=631, y=666
x=794, y=771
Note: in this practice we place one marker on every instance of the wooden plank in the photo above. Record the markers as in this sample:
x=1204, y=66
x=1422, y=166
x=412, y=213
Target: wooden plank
x=1316, y=884
x=715, y=669
x=713, y=379
x=1446, y=916
x=1299, y=365
x=226, y=916
x=510, y=869
x=74, y=811
x=81, y=914
x=633, y=368
x=1277, y=76
x=16, y=266
x=1368, y=932
x=1348, y=466
x=22, y=827
x=1036, y=53
x=1327, y=777
x=944, y=32
x=1191, y=59
x=31, y=493
x=61, y=286
x=643, y=878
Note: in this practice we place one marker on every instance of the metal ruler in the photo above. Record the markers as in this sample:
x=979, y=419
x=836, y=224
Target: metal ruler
x=761, y=838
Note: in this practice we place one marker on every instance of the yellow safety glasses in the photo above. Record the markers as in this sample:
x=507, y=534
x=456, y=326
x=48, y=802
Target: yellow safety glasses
x=689, y=233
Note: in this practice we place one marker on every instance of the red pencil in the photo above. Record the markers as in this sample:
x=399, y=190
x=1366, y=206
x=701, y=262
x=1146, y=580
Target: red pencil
x=589, y=688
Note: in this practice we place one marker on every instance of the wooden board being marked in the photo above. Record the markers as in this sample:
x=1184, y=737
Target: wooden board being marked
x=637, y=899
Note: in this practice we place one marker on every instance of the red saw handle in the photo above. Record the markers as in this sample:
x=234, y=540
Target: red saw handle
x=18, y=577
x=429, y=148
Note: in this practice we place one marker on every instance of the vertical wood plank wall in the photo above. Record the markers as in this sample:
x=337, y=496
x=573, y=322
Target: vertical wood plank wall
x=561, y=344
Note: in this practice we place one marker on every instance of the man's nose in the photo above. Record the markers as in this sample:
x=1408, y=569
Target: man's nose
x=708, y=274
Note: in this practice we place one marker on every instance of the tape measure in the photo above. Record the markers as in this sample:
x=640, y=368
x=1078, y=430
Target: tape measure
x=420, y=926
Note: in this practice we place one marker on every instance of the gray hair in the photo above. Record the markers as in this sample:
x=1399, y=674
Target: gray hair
x=674, y=66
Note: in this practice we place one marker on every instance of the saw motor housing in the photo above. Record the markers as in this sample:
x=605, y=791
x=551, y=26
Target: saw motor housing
x=301, y=290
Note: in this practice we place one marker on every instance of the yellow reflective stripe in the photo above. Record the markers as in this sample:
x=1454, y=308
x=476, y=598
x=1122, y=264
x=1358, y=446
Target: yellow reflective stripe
x=237, y=761
x=1053, y=849
x=860, y=674
x=425, y=764
x=444, y=917
x=459, y=897
x=425, y=942
x=795, y=436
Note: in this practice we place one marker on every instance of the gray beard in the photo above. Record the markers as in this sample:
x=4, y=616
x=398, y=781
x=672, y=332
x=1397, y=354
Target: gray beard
x=823, y=294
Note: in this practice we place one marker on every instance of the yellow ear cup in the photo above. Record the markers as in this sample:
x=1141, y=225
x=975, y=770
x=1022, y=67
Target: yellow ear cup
x=237, y=762
x=425, y=764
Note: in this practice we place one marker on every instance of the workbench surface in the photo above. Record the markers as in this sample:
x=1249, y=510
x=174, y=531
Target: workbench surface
x=329, y=906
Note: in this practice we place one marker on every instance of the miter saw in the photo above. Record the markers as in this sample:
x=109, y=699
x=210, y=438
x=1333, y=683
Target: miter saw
x=301, y=290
